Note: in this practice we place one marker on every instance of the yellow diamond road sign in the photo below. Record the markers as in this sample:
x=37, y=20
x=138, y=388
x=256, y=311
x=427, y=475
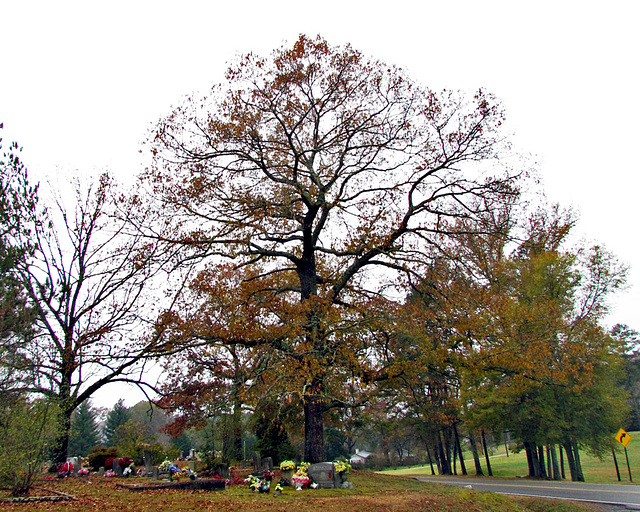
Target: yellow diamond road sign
x=623, y=437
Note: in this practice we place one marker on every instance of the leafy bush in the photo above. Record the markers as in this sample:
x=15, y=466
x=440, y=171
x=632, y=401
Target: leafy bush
x=99, y=455
x=27, y=429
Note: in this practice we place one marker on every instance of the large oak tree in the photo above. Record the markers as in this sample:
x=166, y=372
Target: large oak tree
x=335, y=172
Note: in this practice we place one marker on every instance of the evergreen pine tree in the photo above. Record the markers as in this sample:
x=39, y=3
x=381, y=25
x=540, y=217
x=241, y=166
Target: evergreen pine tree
x=118, y=416
x=84, y=430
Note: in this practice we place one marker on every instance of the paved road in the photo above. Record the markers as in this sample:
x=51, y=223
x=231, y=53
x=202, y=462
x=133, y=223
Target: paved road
x=623, y=495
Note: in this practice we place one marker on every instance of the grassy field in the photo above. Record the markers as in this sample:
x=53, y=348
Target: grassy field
x=372, y=492
x=594, y=469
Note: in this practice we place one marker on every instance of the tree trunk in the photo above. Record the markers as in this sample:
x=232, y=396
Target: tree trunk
x=506, y=444
x=445, y=465
x=476, y=457
x=530, y=462
x=314, y=424
x=436, y=455
x=486, y=453
x=426, y=445
x=561, y=462
x=63, y=429
x=455, y=460
x=533, y=459
x=548, y=461
x=446, y=434
x=463, y=468
x=571, y=461
x=554, y=463
x=542, y=470
x=576, y=456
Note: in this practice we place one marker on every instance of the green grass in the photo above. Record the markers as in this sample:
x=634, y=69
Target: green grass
x=594, y=469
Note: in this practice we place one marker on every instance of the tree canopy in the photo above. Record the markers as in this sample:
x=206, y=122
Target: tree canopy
x=321, y=166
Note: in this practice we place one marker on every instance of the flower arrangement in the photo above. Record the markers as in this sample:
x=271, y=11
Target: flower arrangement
x=303, y=467
x=287, y=465
x=83, y=472
x=268, y=475
x=109, y=473
x=166, y=464
x=186, y=472
x=278, y=489
x=301, y=480
x=129, y=470
x=65, y=470
x=257, y=485
x=342, y=466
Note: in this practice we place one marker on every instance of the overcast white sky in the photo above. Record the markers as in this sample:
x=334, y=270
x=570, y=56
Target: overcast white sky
x=81, y=82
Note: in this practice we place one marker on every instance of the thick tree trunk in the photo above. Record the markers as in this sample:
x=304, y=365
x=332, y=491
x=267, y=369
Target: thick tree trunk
x=561, y=462
x=571, y=461
x=63, y=429
x=314, y=424
x=533, y=460
x=66, y=405
x=554, y=463
x=548, y=454
x=527, y=449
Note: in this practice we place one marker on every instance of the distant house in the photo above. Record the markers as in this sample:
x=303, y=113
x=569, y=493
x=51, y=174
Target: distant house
x=360, y=457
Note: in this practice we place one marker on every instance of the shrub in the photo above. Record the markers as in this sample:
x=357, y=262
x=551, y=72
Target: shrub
x=99, y=455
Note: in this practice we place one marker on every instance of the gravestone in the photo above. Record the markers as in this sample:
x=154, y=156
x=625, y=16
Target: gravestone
x=267, y=464
x=324, y=474
x=257, y=466
x=222, y=470
x=116, y=467
x=147, y=457
x=155, y=473
x=192, y=454
x=75, y=463
x=101, y=471
x=71, y=462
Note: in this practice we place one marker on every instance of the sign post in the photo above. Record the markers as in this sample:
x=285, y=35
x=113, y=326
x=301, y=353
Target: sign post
x=624, y=438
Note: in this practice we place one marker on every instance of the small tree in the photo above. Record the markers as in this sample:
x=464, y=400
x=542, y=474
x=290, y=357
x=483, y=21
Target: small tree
x=116, y=417
x=85, y=283
x=18, y=200
x=84, y=433
x=27, y=431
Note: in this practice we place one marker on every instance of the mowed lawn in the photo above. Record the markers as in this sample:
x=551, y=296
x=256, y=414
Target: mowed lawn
x=594, y=469
x=372, y=492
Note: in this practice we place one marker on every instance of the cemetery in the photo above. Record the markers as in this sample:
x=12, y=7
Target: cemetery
x=260, y=478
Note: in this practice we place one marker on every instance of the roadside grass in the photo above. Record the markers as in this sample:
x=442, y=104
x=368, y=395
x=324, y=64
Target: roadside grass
x=372, y=492
x=515, y=465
